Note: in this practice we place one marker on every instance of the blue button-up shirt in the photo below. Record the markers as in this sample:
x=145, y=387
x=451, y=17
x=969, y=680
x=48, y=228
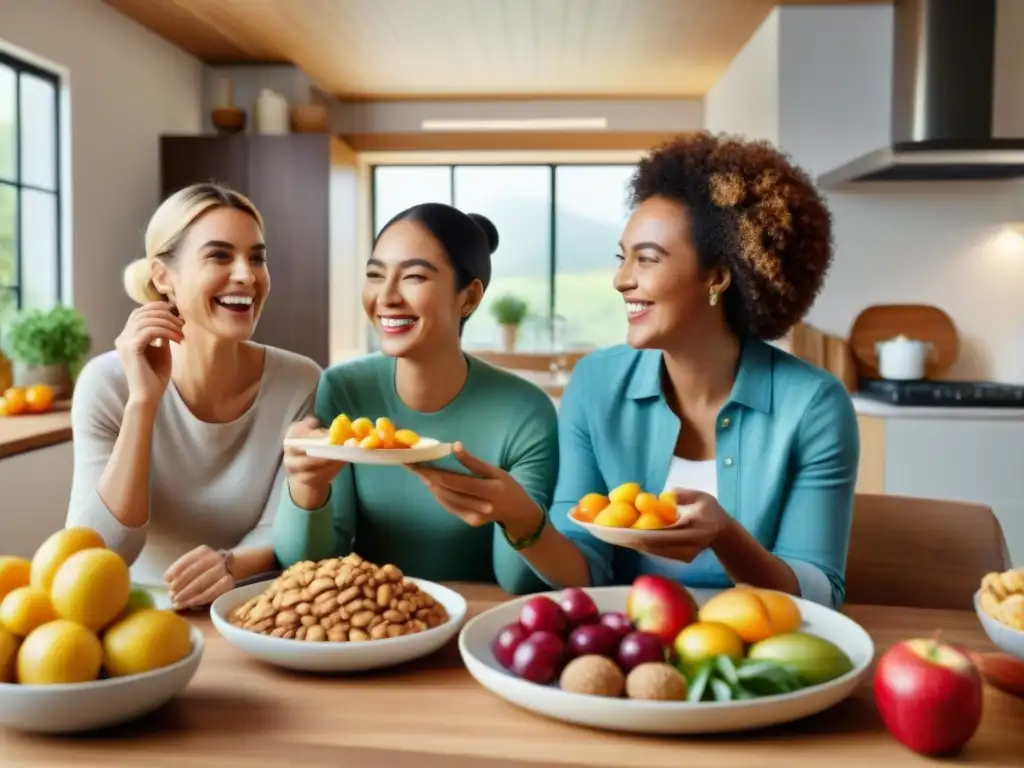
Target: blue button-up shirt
x=787, y=448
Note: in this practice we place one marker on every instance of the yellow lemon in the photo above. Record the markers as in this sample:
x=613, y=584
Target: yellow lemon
x=56, y=549
x=144, y=640
x=14, y=573
x=704, y=640
x=91, y=587
x=8, y=655
x=59, y=652
x=24, y=609
x=626, y=493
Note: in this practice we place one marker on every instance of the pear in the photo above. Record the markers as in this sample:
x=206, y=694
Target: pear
x=814, y=659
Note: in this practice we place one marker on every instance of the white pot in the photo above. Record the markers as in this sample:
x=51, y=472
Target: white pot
x=902, y=359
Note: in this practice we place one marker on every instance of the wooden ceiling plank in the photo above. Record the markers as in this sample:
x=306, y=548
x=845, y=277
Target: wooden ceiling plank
x=462, y=49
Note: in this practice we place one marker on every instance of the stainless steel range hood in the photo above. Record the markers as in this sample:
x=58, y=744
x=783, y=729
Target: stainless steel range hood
x=943, y=91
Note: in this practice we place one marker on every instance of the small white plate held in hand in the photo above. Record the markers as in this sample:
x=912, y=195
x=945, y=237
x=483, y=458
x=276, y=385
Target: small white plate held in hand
x=427, y=449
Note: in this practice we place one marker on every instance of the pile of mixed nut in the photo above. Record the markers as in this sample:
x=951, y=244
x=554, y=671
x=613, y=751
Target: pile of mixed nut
x=341, y=599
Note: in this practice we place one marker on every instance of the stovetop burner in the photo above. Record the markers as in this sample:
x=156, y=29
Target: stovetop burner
x=954, y=394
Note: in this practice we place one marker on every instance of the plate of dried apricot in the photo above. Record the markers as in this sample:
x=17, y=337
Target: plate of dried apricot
x=626, y=514
x=342, y=614
x=366, y=441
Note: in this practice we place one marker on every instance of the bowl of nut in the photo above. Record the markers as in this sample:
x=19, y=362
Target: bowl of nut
x=343, y=614
x=1000, y=608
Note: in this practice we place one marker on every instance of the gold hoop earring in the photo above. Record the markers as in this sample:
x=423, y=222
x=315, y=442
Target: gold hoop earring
x=712, y=297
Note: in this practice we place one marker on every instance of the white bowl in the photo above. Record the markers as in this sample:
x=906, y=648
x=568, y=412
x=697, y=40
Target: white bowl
x=623, y=537
x=427, y=449
x=1007, y=638
x=664, y=717
x=339, y=657
x=78, y=707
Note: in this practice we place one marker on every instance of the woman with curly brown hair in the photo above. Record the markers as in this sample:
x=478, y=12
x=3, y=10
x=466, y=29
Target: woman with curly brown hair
x=726, y=249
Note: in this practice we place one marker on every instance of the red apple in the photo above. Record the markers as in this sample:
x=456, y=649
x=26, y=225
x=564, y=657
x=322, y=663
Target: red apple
x=660, y=607
x=929, y=694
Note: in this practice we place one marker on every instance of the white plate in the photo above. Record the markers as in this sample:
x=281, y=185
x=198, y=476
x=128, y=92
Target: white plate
x=80, y=707
x=664, y=717
x=622, y=537
x=338, y=657
x=1008, y=639
x=427, y=449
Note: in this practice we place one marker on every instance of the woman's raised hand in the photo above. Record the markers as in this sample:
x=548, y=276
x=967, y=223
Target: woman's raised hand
x=309, y=478
x=148, y=366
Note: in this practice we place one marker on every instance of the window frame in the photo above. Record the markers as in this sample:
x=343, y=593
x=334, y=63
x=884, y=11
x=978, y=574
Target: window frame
x=552, y=207
x=20, y=66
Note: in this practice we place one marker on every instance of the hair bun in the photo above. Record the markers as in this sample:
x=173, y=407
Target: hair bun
x=489, y=229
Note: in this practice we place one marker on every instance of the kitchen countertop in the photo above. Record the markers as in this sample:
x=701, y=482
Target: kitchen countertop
x=868, y=407
x=432, y=713
x=19, y=434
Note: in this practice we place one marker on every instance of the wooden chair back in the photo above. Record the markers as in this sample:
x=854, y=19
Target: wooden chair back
x=921, y=553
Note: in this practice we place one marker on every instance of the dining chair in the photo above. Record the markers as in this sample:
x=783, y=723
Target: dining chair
x=920, y=552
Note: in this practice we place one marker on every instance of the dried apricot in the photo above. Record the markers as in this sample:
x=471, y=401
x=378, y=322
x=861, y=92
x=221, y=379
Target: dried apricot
x=406, y=438
x=593, y=503
x=362, y=427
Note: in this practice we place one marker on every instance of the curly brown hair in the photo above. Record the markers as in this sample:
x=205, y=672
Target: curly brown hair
x=753, y=212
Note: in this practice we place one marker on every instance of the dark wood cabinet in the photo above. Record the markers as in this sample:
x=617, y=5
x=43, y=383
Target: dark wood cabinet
x=288, y=178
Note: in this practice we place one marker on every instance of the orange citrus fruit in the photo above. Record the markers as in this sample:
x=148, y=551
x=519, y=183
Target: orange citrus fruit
x=39, y=398
x=14, y=573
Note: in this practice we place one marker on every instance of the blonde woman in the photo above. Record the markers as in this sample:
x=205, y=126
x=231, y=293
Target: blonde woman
x=178, y=431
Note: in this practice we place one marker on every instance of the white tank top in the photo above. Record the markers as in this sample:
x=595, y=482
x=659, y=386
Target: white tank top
x=695, y=475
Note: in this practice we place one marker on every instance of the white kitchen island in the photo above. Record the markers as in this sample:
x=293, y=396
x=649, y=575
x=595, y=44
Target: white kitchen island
x=959, y=454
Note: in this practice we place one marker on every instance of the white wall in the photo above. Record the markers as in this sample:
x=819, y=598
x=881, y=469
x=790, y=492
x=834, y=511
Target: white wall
x=745, y=99
x=942, y=243
x=127, y=87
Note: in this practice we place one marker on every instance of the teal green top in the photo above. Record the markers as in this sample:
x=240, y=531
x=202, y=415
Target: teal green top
x=387, y=515
x=787, y=448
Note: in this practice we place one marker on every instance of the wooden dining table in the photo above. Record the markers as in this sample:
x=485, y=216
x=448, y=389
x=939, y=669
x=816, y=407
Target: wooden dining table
x=432, y=713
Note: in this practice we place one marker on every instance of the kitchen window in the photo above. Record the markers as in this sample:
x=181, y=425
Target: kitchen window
x=559, y=226
x=30, y=189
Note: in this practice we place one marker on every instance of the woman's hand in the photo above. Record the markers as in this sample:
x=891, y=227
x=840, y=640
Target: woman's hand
x=701, y=520
x=309, y=478
x=198, y=578
x=490, y=495
x=148, y=367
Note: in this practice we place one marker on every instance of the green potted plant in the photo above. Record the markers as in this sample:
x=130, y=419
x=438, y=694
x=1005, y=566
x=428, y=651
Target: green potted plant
x=47, y=346
x=510, y=311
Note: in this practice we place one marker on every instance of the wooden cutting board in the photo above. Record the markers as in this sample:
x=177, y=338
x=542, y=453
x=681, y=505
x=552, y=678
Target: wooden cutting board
x=922, y=322
x=824, y=351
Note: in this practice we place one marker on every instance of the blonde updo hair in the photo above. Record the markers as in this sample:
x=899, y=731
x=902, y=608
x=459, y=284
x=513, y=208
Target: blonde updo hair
x=169, y=225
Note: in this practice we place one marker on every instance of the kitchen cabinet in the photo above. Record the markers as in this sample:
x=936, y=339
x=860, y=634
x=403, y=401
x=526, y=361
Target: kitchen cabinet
x=959, y=454
x=289, y=179
x=36, y=487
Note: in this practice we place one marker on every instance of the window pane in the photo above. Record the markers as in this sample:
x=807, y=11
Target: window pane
x=8, y=310
x=518, y=200
x=38, y=249
x=396, y=188
x=8, y=235
x=8, y=135
x=590, y=214
x=38, y=132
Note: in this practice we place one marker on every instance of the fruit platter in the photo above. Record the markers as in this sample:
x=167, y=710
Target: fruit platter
x=341, y=614
x=999, y=604
x=626, y=514
x=80, y=649
x=656, y=657
x=367, y=441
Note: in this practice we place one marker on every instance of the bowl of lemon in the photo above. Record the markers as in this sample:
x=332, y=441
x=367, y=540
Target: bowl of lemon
x=80, y=649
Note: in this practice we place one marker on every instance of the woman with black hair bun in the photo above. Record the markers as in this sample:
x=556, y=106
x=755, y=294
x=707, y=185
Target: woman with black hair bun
x=464, y=518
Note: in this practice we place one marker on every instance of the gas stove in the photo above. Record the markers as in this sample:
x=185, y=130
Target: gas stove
x=952, y=394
